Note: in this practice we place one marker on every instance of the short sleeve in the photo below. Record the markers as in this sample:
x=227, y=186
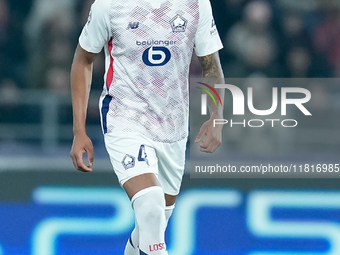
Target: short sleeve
x=96, y=32
x=207, y=39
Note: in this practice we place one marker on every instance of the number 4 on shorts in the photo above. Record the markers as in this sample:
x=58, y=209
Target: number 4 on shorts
x=142, y=156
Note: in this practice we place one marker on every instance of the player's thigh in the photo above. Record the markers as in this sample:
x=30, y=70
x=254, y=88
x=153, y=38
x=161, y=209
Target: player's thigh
x=134, y=161
x=140, y=182
x=170, y=199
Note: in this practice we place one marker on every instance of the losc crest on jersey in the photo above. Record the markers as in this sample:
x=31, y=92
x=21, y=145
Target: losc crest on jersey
x=128, y=161
x=178, y=23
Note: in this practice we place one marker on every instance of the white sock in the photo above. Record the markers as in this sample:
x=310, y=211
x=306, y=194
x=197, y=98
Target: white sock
x=168, y=211
x=131, y=247
x=149, y=207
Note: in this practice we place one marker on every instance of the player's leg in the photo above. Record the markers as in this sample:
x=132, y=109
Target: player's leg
x=171, y=163
x=131, y=247
x=148, y=202
x=171, y=160
x=135, y=162
x=169, y=206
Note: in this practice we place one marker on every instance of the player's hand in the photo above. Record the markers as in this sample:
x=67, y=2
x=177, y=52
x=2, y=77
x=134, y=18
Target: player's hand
x=213, y=135
x=82, y=144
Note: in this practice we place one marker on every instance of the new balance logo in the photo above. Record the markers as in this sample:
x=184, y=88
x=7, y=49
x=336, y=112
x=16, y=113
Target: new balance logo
x=133, y=25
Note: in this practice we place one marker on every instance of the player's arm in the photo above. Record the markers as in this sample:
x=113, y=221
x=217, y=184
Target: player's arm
x=81, y=78
x=212, y=74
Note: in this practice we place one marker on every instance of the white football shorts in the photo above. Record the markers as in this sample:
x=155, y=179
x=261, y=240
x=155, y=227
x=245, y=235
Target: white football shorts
x=133, y=154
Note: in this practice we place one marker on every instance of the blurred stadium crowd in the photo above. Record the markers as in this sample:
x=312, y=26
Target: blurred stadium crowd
x=273, y=38
x=277, y=38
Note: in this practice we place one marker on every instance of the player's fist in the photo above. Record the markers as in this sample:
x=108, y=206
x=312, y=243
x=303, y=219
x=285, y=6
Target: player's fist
x=82, y=144
x=212, y=135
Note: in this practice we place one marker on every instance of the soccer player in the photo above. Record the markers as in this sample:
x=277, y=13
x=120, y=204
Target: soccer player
x=144, y=106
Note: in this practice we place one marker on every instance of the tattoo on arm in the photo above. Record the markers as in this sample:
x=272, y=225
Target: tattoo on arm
x=209, y=66
x=213, y=74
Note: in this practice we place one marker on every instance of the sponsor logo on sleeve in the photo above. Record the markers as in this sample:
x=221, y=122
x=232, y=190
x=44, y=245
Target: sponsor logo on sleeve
x=213, y=23
x=89, y=18
x=213, y=30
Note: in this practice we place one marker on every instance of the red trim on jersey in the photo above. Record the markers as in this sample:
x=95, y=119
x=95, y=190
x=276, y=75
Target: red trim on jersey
x=109, y=76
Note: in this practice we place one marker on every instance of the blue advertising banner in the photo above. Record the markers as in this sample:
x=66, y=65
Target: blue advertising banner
x=62, y=220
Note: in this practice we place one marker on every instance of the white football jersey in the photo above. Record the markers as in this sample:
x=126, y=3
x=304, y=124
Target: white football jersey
x=148, y=46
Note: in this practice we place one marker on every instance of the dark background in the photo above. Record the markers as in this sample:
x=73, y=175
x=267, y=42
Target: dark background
x=272, y=39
